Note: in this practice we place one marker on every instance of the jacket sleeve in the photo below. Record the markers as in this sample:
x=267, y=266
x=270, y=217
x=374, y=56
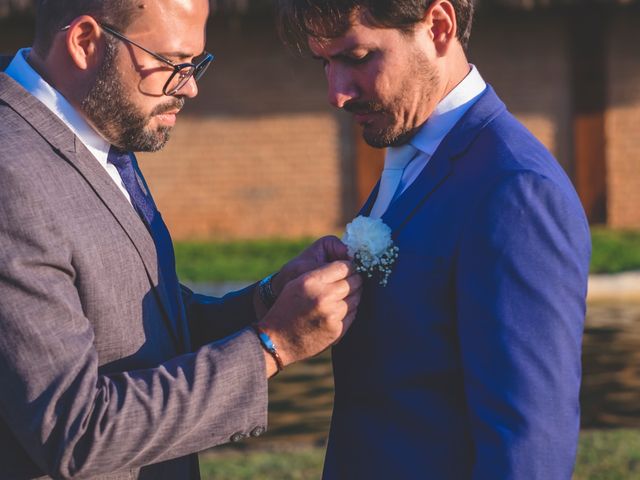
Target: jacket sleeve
x=212, y=318
x=521, y=282
x=72, y=421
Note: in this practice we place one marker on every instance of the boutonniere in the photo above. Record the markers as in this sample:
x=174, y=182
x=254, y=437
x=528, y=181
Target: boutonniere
x=371, y=247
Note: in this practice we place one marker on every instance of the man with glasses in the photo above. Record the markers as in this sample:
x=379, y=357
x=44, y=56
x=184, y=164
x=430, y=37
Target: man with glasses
x=109, y=368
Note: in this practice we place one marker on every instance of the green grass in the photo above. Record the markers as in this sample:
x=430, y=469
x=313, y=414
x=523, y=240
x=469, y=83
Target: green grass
x=602, y=455
x=234, y=261
x=261, y=465
x=613, y=251
x=608, y=455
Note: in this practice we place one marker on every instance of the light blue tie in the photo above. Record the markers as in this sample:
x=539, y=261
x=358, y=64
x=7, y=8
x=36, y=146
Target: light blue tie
x=397, y=159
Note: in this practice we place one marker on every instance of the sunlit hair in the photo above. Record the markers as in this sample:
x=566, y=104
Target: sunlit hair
x=299, y=20
x=53, y=15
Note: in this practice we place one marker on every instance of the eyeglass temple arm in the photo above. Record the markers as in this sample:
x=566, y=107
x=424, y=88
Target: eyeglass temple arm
x=119, y=35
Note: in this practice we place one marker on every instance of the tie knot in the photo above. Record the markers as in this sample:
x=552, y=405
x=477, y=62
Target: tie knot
x=398, y=157
x=119, y=158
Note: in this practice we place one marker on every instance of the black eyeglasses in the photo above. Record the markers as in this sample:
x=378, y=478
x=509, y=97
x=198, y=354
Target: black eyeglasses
x=182, y=72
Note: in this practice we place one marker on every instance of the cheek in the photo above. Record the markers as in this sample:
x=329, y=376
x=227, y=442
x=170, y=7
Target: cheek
x=382, y=83
x=147, y=78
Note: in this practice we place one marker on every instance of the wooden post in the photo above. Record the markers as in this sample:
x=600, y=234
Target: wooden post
x=588, y=48
x=369, y=165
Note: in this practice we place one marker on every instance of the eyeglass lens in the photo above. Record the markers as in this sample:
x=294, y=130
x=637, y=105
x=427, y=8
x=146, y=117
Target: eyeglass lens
x=180, y=78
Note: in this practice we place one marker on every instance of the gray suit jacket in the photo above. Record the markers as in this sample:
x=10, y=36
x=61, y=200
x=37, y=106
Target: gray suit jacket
x=98, y=379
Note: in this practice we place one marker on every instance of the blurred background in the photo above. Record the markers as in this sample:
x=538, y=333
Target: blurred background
x=259, y=165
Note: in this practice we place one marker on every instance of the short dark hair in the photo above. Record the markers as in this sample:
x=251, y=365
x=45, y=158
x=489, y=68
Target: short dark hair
x=299, y=20
x=53, y=15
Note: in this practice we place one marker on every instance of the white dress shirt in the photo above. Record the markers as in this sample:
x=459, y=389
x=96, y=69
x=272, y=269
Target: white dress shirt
x=446, y=114
x=24, y=74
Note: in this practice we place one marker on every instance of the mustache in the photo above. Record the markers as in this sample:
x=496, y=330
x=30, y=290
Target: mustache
x=363, y=107
x=175, y=104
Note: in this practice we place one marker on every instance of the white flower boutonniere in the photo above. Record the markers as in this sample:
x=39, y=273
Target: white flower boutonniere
x=370, y=245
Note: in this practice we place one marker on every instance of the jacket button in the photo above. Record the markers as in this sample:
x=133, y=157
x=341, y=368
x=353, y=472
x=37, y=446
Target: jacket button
x=238, y=437
x=256, y=432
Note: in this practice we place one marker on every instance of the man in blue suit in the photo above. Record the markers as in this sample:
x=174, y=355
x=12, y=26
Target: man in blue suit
x=467, y=364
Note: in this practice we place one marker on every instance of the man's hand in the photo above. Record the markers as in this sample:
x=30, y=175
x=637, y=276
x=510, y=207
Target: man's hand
x=313, y=311
x=322, y=251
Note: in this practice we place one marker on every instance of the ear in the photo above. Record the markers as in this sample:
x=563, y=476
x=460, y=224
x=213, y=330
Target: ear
x=443, y=27
x=83, y=41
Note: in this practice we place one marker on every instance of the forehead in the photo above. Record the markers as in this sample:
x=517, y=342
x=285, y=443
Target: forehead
x=359, y=34
x=177, y=24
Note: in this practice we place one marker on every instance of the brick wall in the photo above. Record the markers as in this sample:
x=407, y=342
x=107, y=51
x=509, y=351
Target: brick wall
x=276, y=175
x=525, y=57
x=288, y=172
x=260, y=154
x=623, y=121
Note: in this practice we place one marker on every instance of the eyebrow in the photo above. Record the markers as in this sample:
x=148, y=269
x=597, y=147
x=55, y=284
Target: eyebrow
x=345, y=52
x=179, y=55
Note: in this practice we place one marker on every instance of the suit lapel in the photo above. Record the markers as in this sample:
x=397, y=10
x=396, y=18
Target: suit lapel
x=181, y=325
x=68, y=147
x=368, y=205
x=129, y=220
x=406, y=205
x=442, y=163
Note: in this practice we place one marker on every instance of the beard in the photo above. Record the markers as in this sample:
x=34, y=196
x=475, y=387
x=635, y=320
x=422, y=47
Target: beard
x=393, y=128
x=109, y=107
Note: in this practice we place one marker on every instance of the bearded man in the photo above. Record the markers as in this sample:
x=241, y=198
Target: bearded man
x=109, y=368
x=466, y=365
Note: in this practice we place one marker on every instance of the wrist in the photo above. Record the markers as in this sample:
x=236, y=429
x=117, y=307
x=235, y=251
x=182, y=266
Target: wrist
x=277, y=283
x=269, y=347
x=266, y=291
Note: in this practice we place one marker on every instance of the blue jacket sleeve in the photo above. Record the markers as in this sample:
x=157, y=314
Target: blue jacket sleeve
x=521, y=282
x=211, y=318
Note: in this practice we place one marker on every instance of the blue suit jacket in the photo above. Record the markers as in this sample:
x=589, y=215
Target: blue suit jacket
x=467, y=364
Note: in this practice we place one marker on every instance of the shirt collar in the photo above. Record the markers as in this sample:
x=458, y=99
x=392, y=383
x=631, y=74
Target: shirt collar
x=24, y=74
x=448, y=112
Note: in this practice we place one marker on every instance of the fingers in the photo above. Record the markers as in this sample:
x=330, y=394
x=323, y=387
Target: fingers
x=334, y=249
x=353, y=301
x=346, y=324
x=334, y=271
x=347, y=287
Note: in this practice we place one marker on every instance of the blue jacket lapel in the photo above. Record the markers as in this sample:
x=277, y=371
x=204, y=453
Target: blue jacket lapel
x=368, y=205
x=442, y=162
x=403, y=209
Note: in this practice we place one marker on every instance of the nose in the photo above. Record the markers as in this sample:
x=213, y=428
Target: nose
x=342, y=87
x=190, y=89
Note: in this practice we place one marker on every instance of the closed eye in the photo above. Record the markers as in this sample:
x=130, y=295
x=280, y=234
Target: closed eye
x=348, y=59
x=357, y=60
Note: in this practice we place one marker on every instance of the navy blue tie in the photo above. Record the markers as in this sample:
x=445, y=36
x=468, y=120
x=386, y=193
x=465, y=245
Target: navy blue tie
x=144, y=205
x=140, y=200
